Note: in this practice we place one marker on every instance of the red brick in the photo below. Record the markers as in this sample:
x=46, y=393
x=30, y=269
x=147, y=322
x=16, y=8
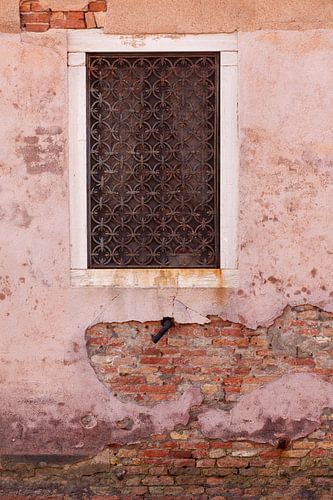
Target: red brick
x=308, y=331
x=317, y=452
x=194, y=352
x=258, y=380
x=270, y=454
x=36, y=17
x=232, y=381
x=57, y=20
x=232, y=389
x=165, y=389
x=35, y=6
x=150, y=360
x=233, y=332
x=323, y=371
x=152, y=351
x=167, y=369
x=217, y=480
x=170, y=444
x=31, y=6
x=37, y=28
x=184, y=462
x=89, y=18
x=236, y=342
x=220, y=444
x=128, y=379
x=211, y=332
x=25, y=7
x=207, y=462
x=302, y=362
x=75, y=20
x=74, y=15
x=153, y=453
x=180, y=454
x=242, y=371
x=97, y=6
x=98, y=341
x=232, y=462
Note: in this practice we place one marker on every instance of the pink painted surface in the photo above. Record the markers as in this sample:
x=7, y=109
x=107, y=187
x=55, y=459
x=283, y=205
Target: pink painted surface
x=286, y=188
x=286, y=233
x=289, y=407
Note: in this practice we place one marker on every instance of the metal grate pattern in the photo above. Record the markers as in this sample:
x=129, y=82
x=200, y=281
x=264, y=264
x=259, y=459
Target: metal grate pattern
x=153, y=178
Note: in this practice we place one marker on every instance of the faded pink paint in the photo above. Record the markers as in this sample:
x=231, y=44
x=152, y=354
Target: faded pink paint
x=289, y=407
x=285, y=226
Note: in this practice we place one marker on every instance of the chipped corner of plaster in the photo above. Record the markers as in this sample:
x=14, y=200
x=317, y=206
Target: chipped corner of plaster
x=168, y=414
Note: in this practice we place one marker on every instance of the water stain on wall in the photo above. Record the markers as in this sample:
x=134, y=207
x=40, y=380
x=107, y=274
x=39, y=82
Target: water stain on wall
x=42, y=152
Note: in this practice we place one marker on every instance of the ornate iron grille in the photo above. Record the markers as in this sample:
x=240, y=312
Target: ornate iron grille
x=153, y=154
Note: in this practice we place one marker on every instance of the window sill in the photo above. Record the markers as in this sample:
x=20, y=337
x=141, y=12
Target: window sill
x=155, y=278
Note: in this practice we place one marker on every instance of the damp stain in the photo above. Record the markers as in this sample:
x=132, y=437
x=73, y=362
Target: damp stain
x=43, y=152
x=20, y=217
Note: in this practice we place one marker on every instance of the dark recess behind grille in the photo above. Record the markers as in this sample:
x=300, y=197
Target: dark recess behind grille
x=153, y=160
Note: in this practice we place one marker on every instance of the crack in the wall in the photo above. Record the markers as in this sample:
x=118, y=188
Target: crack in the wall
x=188, y=308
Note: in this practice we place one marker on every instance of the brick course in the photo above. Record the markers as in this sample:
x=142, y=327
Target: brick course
x=39, y=17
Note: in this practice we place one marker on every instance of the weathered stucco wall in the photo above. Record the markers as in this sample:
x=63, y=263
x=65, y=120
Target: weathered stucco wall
x=54, y=402
x=214, y=16
x=9, y=16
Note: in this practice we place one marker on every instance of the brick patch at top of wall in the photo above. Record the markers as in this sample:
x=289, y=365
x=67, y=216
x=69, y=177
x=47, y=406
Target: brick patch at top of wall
x=37, y=17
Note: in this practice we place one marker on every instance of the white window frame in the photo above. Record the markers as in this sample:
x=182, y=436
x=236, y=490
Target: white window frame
x=79, y=43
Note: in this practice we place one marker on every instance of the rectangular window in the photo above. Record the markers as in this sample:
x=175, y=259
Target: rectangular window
x=157, y=116
x=153, y=160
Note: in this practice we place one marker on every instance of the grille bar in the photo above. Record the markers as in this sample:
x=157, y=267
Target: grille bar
x=153, y=156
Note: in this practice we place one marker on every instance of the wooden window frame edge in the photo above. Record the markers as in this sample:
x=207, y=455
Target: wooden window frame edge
x=79, y=43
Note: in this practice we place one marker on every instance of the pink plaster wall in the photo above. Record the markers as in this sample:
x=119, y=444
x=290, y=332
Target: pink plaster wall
x=285, y=223
x=215, y=16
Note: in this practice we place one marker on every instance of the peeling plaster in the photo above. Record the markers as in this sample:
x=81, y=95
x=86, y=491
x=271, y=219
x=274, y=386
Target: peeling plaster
x=45, y=429
x=285, y=206
x=289, y=407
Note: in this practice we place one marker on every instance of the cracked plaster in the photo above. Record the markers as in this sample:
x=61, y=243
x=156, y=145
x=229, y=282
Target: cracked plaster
x=289, y=407
x=285, y=206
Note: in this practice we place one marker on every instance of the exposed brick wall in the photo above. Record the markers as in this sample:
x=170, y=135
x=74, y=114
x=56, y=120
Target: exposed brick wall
x=182, y=464
x=224, y=359
x=38, y=18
